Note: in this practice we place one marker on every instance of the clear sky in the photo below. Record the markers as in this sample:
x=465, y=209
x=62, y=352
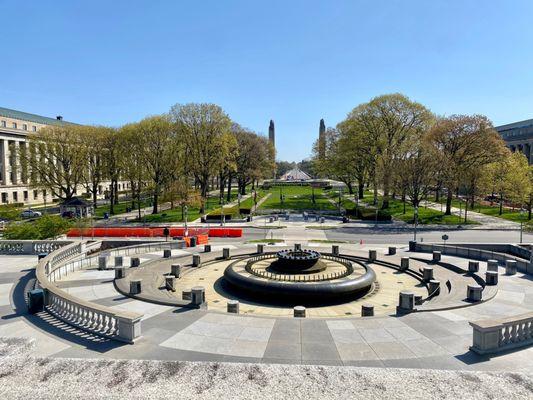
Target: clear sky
x=112, y=62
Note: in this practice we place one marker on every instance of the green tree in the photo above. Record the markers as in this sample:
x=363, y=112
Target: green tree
x=465, y=145
x=389, y=121
x=57, y=159
x=162, y=153
x=205, y=132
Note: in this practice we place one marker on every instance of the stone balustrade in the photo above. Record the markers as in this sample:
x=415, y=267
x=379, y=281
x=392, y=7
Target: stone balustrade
x=522, y=265
x=100, y=320
x=30, y=247
x=495, y=335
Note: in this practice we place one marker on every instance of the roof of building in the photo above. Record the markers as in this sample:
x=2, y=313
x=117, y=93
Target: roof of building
x=514, y=125
x=295, y=175
x=8, y=113
x=76, y=201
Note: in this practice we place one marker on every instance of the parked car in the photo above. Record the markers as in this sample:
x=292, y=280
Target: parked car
x=68, y=214
x=30, y=214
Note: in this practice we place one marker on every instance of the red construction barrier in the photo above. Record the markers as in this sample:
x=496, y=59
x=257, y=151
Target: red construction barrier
x=154, y=232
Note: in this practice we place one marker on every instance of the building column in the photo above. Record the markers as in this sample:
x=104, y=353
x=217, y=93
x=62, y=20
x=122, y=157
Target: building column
x=4, y=161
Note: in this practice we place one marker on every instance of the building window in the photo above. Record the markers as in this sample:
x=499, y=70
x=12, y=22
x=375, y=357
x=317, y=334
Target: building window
x=35, y=195
x=34, y=128
x=14, y=125
x=4, y=124
x=25, y=195
x=25, y=127
x=4, y=197
x=15, y=197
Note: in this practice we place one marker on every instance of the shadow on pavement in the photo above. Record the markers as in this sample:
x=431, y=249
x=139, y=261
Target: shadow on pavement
x=52, y=325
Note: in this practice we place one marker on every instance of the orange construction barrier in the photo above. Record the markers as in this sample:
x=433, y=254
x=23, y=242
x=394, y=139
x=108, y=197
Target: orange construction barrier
x=201, y=233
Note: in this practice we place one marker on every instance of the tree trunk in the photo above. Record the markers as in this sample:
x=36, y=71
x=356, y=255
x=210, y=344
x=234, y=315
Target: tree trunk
x=386, y=188
x=350, y=187
x=94, y=192
x=139, y=201
x=361, y=189
x=404, y=202
x=449, y=202
x=375, y=192
x=204, y=187
x=116, y=191
x=132, y=186
x=228, y=197
x=466, y=210
x=111, y=199
x=156, y=199
x=222, y=184
x=501, y=204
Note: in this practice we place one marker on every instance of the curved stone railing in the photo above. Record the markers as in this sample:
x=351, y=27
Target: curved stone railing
x=476, y=254
x=30, y=247
x=495, y=335
x=94, y=318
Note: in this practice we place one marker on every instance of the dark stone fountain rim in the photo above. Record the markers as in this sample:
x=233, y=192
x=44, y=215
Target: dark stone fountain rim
x=303, y=254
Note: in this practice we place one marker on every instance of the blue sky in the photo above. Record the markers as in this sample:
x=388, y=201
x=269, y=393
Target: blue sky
x=112, y=62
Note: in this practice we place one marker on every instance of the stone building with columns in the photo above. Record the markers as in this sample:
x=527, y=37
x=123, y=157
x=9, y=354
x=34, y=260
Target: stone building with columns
x=15, y=128
x=518, y=136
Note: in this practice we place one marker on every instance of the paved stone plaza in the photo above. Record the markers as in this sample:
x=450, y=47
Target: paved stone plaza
x=430, y=339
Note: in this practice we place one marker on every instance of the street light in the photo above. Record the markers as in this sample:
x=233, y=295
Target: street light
x=522, y=211
x=222, y=213
x=416, y=222
x=186, y=230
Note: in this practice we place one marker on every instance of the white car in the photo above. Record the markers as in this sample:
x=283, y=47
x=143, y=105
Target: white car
x=30, y=214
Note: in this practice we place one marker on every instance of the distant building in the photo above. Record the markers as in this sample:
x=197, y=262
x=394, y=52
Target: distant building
x=518, y=136
x=295, y=175
x=15, y=128
x=322, y=140
x=272, y=134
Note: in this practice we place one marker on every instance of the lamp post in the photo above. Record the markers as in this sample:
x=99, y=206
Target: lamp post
x=222, y=214
x=186, y=230
x=521, y=224
x=416, y=222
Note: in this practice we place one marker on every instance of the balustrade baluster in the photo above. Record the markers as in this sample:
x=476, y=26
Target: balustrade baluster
x=514, y=334
x=507, y=335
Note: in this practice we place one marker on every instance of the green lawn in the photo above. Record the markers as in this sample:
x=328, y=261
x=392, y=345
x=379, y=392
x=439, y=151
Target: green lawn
x=297, y=198
x=425, y=215
x=493, y=211
x=174, y=215
x=119, y=208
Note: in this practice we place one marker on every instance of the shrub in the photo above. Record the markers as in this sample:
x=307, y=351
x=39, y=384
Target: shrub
x=9, y=212
x=369, y=214
x=49, y=226
x=245, y=211
x=21, y=231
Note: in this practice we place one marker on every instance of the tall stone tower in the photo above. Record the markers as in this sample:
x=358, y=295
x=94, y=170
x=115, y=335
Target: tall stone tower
x=322, y=140
x=272, y=134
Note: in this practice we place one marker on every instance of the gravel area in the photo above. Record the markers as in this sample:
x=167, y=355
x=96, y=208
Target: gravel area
x=23, y=377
